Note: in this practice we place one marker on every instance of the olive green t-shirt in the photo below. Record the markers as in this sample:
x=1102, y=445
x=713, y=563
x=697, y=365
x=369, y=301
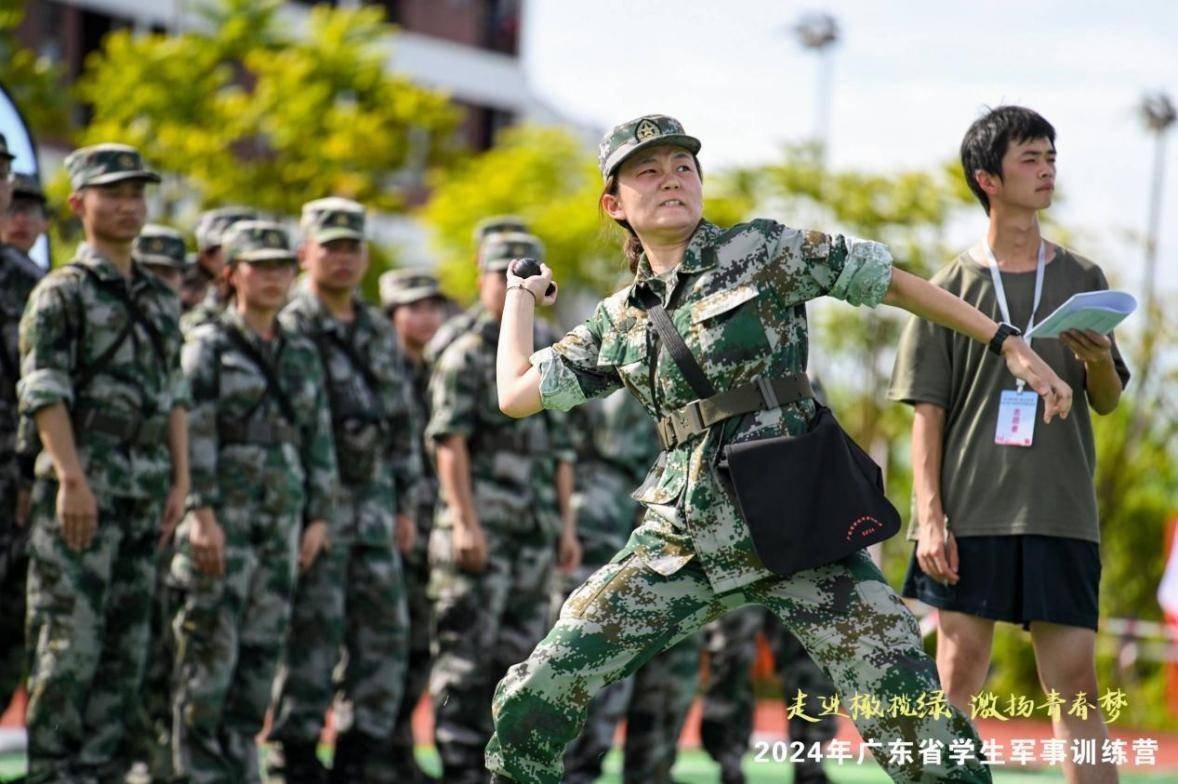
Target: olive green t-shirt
x=988, y=489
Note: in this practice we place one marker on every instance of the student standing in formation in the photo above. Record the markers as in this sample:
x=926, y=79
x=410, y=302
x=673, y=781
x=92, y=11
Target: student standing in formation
x=100, y=374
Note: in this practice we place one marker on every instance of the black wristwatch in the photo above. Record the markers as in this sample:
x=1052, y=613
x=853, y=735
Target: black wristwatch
x=1004, y=331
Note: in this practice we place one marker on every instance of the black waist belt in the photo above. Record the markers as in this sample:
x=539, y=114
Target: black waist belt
x=256, y=431
x=761, y=395
x=139, y=431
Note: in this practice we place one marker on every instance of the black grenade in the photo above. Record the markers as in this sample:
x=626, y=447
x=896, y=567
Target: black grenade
x=530, y=268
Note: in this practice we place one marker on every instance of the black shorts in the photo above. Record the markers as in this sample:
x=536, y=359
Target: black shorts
x=1017, y=579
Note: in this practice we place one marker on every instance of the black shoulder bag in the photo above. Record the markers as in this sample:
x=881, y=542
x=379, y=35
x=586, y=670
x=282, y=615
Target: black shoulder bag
x=808, y=500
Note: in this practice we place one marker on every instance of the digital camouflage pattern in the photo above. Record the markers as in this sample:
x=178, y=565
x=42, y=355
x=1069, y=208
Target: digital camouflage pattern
x=18, y=276
x=661, y=697
x=67, y=326
x=89, y=612
x=398, y=763
x=499, y=249
x=638, y=134
x=738, y=302
x=230, y=630
x=405, y=286
x=485, y=622
x=102, y=164
x=161, y=245
x=726, y=728
x=212, y=224
x=497, y=224
x=332, y=218
x=740, y=311
x=355, y=598
x=453, y=328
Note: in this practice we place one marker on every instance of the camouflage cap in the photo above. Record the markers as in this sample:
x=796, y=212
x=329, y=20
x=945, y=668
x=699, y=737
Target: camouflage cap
x=4, y=151
x=100, y=164
x=638, y=134
x=161, y=245
x=26, y=186
x=333, y=218
x=212, y=224
x=498, y=250
x=258, y=240
x=498, y=224
x=400, y=287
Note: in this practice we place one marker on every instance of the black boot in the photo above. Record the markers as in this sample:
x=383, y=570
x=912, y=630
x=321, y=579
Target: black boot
x=350, y=762
x=301, y=765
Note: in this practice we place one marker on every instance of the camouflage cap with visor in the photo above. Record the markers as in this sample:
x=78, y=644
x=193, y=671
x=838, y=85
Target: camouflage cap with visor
x=5, y=153
x=403, y=286
x=102, y=164
x=161, y=245
x=647, y=131
x=333, y=218
x=212, y=224
x=258, y=240
x=498, y=224
x=26, y=186
x=497, y=250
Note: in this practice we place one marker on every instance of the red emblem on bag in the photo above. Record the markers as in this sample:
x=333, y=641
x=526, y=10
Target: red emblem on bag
x=863, y=527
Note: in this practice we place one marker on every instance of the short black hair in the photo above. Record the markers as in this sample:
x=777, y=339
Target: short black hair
x=991, y=135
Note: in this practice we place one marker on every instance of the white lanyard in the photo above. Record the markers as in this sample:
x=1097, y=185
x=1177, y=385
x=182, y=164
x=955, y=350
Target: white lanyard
x=1000, y=290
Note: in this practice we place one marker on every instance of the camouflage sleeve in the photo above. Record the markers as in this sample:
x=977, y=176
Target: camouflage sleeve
x=810, y=264
x=319, y=461
x=46, y=347
x=405, y=450
x=454, y=394
x=569, y=373
x=201, y=367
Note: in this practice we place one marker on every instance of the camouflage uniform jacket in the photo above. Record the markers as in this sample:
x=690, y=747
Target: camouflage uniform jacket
x=616, y=443
x=18, y=276
x=392, y=461
x=455, y=326
x=68, y=325
x=512, y=461
x=228, y=387
x=738, y=301
x=427, y=491
x=205, y=311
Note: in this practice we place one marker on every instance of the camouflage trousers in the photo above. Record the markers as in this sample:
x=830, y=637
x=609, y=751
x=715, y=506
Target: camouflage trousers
x=229, y=631
x=352, y=631
x=845, y=614
x=483, y=623
x=654, y=702
x=14, y=568
x=150, y=726
x=398, y=763
x=88, y=628
x=727, y=724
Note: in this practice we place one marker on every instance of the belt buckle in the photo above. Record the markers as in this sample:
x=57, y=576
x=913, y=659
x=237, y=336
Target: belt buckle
x=688, y=421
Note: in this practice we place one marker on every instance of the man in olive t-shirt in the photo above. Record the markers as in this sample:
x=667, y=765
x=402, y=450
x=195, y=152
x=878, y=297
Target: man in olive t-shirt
x=1005, y=516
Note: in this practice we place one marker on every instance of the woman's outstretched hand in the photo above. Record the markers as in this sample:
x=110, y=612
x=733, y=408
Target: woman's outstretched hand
x=1024, y=363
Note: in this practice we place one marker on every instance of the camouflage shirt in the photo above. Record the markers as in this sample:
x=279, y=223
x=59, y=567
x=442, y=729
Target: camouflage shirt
x=18, y=276
x=227, y=386
x=68, y=325
x=739, y=305
x=419, y=373
x=456, y=325
x=377, y=435
x=616, y=443
x=204, y=311
x=512, y=461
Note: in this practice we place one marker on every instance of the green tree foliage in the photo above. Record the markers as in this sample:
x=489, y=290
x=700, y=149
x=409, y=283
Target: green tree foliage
x=246, y=112
x=33, y=81
x=550, y=179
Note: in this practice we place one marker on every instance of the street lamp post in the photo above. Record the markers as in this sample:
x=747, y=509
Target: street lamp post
x=1157, y=110
x=819, y=32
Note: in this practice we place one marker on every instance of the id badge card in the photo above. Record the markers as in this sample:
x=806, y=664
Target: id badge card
x=1016, y=418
